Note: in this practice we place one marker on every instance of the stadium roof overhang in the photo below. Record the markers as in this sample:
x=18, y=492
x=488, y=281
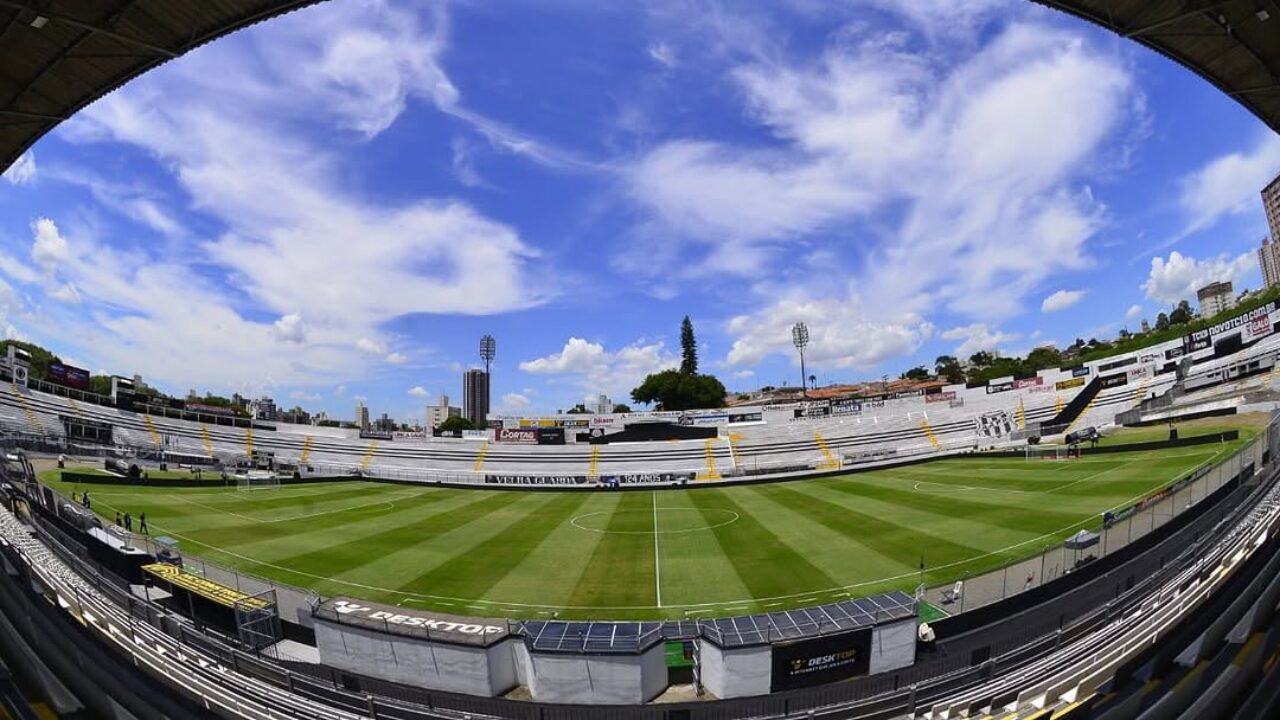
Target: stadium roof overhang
x=57, y=56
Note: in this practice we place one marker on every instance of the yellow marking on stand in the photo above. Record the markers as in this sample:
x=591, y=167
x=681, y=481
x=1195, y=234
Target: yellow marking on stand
x=206, y=440
x=151, y=430
x=1057, y=404
x=829, y=461
x=928, y=432
x=75, y=406
x=306, y=450
x=1022, y=416
x=712, y=472
x=248, y=442
x=32, y=419
x=734, y=439
x=1142, y=392
x=484, y=450
x=367, y=460
x=1083, y=412
x=593, y=470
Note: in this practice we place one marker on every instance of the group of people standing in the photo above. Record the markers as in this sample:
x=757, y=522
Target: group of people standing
x=125, y=521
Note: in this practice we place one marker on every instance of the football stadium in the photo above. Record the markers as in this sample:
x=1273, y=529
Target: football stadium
x=1091, y=532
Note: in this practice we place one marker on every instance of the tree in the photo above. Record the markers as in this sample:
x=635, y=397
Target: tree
x=813, y=381
x=948, y=367
x=982, y=358
x=40, y=357
x=1181, y=314
x=916, y=373
x=1162, y=322
x=456, y=422
x=675, y=390
x=578, y=409
x=621, y=408
x=688, y=348
x=1043, y=358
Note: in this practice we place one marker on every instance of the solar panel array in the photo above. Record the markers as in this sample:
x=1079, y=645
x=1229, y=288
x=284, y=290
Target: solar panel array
x=745, y=630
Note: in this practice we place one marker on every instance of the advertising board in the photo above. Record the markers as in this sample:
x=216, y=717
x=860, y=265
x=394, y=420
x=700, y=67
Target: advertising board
x=603, y=421
x=821, y=660
x=1115, y=380
x=522, y=436
x=550, y=436
x=1253, y=325
x=818, y=409
x=475, y=435
x=69, y=376
x=1068, y=384
x=1079, y=371
x=940, y=397
x=1027, y=382
x=535, y=479
x=846, y=406
x=755, y=416
x=999, y=387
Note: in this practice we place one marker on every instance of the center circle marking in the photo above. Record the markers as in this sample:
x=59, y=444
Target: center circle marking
x=582, y=522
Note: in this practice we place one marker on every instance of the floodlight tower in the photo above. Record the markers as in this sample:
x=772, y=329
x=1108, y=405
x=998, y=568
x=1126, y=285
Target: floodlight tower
x=800, y=338
x=488, y=348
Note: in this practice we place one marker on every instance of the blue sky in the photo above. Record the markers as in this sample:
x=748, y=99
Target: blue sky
x=338, y=203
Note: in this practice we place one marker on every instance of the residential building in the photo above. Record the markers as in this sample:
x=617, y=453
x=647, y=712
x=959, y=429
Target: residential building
x=603, y=406
x=362, y=415
x=475, y=396
x=1271, y=204
x=1269, y=261
x=437, y=414
x=1146, y=326
x=1215, y=298
x=265, y=409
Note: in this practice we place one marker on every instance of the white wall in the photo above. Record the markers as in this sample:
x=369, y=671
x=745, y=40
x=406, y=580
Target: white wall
x=413, y=661
x=597, y=679
x=893, y=646
x=735, y=672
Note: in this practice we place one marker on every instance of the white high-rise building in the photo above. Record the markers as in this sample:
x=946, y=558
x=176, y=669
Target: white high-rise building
x=1269, y=262
x=1215, y=297
x=440, y=412
x=1271, y=205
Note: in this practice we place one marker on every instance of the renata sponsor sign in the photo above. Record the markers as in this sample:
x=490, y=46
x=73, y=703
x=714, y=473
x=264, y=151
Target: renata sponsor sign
x=940, y=397
x=521, y=435
x=1028, y=382
x=1068, y=384
x=347, y=608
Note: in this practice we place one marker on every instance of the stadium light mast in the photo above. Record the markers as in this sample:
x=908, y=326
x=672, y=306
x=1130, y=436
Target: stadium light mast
x=488, y=349
x=800, y=338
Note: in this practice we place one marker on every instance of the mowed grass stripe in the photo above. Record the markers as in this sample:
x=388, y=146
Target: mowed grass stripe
x=621, y=570
x=474, y=572
x=273, y=541
x=765, y=564
x=339, y=557
x=970, y=507
x=902, y=543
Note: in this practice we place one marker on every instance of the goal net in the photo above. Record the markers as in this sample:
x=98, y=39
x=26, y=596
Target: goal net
x=257, y=480
x=1052, y=452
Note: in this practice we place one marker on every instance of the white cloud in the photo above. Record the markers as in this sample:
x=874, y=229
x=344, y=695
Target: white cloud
x=396, y=358
x=512, y=403
x=1178, y=277
x=340, y=390
x=663, y=54
x=878, y=122
x=50, y=250
x=840, y=333
x=419, y=391
x=744, y=374
x=1229, y=184
x=304, y=396
x=65, y=293
x=239, y=124
x=369, y=347
x=977, y=337
x=463, y=163
x=1133, y=313
x=290, y=328
x=22, y=171
x=599, y=370
x=1061, y=300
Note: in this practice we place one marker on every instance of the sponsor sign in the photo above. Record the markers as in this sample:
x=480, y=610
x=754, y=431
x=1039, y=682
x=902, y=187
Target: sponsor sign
x=521, y=435
x=1068, y=384
x=821, y=660
x=999, y=387
x=643, y=479
x=601, y=422
x=756, y=416
x=1115, y=380
x=69, y=376
x=940, y=397
x=1079, y=371
x=1172, y=353
x=847, y=406
x=717, y=419
x=1028, y=382
x=475, y=435
x=818, y=409
x=377, y=435
x=1139, y=373
x=550, y=436
x=1253, y=325
x=352, y=610
x=906, y=394
x=535, y=479
x=576, y=423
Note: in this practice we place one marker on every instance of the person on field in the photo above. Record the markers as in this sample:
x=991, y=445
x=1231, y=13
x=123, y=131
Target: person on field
x=119, y=520
x=128, y=522
x=142, y=524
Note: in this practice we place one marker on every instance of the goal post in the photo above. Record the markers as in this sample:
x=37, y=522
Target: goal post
x=257, y=480
x=1035, y=453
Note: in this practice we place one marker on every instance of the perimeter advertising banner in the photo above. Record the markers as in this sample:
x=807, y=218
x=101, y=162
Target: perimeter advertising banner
x=536, y=479
x=940, y=397
x=1253, y=325
x=69, y=376
x=1115, y=380
x=1027, y=382
x=821, y=660
x=846, y=406
x=522, y=436
x=999, y=387
x=1068, y=384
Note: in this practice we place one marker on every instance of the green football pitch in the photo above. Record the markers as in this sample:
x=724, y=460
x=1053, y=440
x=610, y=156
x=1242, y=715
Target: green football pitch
x=648, y=554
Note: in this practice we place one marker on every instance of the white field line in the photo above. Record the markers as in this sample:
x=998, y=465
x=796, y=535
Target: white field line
x=389, y=502
x=657, y=559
